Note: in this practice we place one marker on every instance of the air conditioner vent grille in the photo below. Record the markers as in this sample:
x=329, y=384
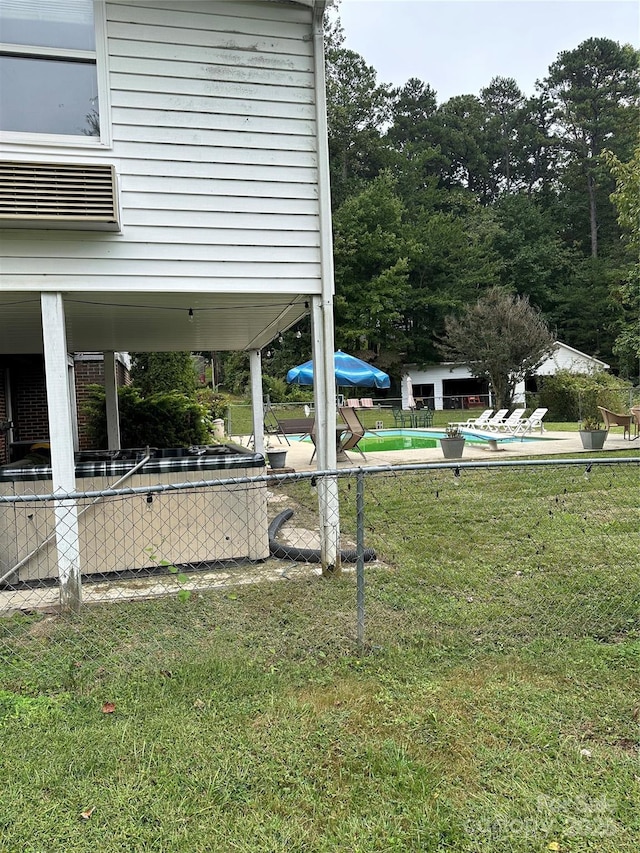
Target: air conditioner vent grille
x=59, y=195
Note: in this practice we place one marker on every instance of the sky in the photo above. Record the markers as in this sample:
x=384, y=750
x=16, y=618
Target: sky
x=458, y=46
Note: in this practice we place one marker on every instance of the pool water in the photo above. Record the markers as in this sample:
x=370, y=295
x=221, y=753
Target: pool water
x=414, y=439
x=399, y=439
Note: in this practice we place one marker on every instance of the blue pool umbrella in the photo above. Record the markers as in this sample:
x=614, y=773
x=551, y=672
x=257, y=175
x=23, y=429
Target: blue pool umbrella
x=351, y=372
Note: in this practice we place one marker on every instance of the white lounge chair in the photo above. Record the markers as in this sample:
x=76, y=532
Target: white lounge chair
x=498, y=418
x=510, y=424
x=480, y=421
x=534, y=420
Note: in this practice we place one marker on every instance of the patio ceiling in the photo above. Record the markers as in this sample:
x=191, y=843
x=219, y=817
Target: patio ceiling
x=154, y=322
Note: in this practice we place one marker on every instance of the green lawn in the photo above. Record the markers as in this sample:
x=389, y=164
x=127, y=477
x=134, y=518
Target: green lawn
x=239, y=415
x=495, y=708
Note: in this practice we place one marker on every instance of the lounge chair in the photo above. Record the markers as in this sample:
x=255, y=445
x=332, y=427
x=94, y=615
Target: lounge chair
x=353, y=433
x=497, y=419
x=615, y=419
x=366, y=403
x=534, y=420
x=353, y=403
x=480, y=421
x=511, y=423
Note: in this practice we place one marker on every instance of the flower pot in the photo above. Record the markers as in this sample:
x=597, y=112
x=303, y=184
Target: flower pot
x=593, y=439
x=277, y=458
x=452, y=447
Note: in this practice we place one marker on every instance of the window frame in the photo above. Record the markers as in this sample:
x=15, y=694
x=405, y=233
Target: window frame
x=100, y=54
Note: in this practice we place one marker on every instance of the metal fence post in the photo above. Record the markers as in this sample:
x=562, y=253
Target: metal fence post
x=360, y=556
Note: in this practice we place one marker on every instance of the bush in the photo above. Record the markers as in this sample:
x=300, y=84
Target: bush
x=574, y=396
x=275, y=388
x=166, y=419
x=215, y=403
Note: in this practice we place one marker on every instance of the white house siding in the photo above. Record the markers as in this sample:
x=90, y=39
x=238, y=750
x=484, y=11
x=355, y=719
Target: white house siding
x=214, y=142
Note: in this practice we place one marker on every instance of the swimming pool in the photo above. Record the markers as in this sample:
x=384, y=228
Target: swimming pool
x=414, y=439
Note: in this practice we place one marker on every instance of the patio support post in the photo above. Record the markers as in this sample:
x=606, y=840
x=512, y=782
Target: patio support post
x=257, y=407
x=62, y=456
x=322, y=322
x=325, y=406
x=111, y=394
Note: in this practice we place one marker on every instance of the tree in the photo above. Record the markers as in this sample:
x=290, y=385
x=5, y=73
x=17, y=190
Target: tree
x=370, y=268
x=503, y=102
x=460, y=131
x=534, y=259
x=595, y=88
x=626, y=292
x=502, y=339
x=451, y=262
x=153, y=372
x=357, y=108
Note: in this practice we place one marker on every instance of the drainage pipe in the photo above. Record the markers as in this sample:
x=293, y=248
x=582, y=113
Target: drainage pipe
x=306, y=555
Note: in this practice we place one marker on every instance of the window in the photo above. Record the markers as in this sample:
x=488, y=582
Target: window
x=49, y=81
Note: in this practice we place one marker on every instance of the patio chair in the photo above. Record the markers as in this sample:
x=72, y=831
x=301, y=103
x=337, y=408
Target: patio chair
x=480, y=421
x=366, y=403
x=534, y=420
x=495, y=420
x=423, y=417
x=353, y=433
x=353, y=403
x=615, y=419
x=400, y=417
x=511, y=423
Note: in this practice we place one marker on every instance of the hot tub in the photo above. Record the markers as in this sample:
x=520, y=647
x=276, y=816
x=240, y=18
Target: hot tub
x=124, y=533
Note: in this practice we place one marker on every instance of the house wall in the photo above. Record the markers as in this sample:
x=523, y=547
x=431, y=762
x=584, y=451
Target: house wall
x=29, y=399
x=213, y=127
x=89, y=370
x=452, y=384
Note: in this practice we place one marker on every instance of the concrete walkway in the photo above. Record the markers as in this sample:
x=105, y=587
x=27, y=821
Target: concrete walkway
x=551, y=443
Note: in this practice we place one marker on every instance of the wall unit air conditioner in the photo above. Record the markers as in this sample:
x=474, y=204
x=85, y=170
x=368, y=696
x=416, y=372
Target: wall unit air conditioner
x=59, y=195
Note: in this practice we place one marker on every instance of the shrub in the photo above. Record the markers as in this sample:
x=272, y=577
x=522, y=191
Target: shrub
x=166, y=419
x=574, y=396
x=274, y=388
x=214, y=402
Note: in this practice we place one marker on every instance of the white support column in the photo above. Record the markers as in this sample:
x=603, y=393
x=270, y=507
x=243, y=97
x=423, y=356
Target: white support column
x=62, y=457
x=325, y=406
x=111, y=395
x=328, y=503
x=257, y=407
x=71, y=377
x=438, y=399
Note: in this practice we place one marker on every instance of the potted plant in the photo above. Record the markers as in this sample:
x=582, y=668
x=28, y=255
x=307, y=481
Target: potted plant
x=277, y=456
x=591, y=434
x=453, y=443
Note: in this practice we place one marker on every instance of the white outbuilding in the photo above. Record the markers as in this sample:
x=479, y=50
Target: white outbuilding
x=449, y=385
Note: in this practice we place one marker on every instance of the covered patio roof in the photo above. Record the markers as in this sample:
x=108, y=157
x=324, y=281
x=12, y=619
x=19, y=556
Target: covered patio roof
x=148, y=322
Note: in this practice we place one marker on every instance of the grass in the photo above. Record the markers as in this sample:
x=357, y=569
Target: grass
x=241, y=424
x=495, y=707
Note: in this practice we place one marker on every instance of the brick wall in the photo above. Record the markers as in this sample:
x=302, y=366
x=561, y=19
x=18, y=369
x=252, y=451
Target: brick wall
x=29, y=398
x=90, y=371
x=87, y=373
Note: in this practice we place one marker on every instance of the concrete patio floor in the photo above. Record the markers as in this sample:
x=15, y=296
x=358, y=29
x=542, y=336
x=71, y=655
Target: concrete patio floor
x=551, y=443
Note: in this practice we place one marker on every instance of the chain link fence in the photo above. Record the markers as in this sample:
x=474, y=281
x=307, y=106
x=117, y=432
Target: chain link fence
x=439, y=554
